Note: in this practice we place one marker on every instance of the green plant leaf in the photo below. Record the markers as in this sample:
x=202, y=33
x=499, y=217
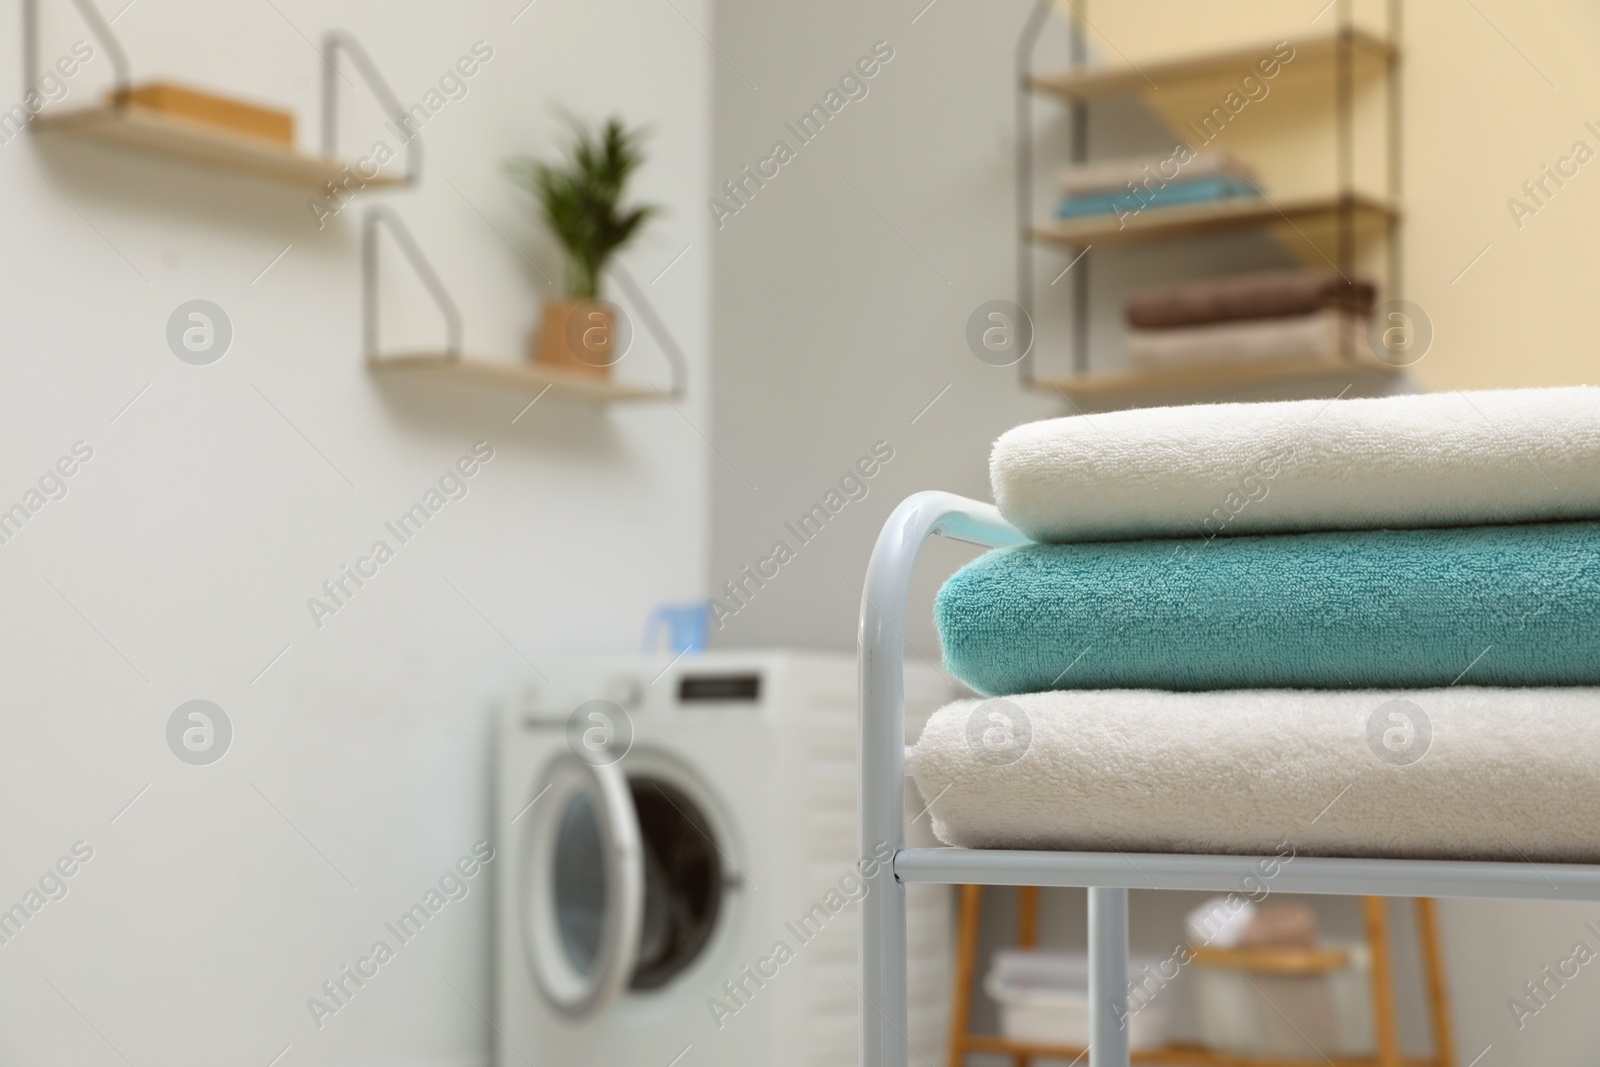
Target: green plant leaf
x=581, y=198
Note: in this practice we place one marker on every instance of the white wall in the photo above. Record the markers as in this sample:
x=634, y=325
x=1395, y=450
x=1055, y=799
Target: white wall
x=179, y=564
x=836, y=325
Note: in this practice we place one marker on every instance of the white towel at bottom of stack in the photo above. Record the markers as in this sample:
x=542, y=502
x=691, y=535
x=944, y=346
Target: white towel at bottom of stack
x=1457, y=773
x=1324, y=334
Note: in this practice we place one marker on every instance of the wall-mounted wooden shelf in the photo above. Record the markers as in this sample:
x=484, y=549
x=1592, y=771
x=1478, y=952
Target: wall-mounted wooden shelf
x=1086, y=84
x=127, y=124
x=1198, y=220
x=522, y=378
x=173, y=135
x=1105, y=387
x=450, y=366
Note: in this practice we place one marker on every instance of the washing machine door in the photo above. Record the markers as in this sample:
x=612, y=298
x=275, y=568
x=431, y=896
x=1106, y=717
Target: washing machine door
x=582, y=898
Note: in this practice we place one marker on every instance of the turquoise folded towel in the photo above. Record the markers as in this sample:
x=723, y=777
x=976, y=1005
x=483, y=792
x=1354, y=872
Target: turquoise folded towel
x=1223, y=187
x=1484, y=605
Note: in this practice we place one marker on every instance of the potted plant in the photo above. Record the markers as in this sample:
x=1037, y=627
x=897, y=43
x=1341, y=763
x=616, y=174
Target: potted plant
x=580, y=198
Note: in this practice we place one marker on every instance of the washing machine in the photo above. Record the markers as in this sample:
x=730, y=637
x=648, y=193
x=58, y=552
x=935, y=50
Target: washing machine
x=678, y=880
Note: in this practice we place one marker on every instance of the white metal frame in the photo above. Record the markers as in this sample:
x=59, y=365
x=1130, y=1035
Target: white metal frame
x=1107, y=876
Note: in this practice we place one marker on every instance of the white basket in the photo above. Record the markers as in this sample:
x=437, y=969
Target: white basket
x=1043, y=998
x=1247, y=1013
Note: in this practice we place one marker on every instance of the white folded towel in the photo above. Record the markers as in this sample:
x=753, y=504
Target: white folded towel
x=1321, y=334
x=1439, y=459
x=1457, y=773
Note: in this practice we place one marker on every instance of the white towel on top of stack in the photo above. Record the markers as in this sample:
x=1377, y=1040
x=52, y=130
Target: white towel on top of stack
x=1437, y=459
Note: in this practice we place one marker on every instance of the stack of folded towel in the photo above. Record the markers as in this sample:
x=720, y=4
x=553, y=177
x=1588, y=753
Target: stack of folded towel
x=1355, y=627
x=1273, y=315
x=1127, y=186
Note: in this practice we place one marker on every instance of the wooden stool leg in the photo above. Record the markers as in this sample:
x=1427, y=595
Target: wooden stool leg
x=1383, y=1013
x=1444, y=1043
x=966, y=968
x=1027, y=916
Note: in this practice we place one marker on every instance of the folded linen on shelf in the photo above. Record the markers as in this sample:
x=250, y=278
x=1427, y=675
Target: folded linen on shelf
x=1114, y=175
x=1260, y=295
x=1439, y=459
x=1457, y=773
x=1324, y=334
x=1495, y=605
x=1200, y=190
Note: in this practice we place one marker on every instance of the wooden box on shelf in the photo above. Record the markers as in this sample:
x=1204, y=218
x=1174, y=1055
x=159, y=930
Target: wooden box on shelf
x=235, y=116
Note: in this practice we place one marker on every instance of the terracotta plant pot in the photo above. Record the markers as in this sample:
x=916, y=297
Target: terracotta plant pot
x=576, y=336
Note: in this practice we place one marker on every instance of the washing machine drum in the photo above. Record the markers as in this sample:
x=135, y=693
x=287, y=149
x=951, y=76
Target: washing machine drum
x=622, y=884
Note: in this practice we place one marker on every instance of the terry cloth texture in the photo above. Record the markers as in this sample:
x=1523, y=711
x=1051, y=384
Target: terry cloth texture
x=1268, y=294
x=1438, y=459
x=1490, y=605
x=1504, y=774
x=1320, y=335
x=1114, y=175
x=1220, y=187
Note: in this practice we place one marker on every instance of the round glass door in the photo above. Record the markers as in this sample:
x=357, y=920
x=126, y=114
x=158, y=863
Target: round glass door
x=582, y=886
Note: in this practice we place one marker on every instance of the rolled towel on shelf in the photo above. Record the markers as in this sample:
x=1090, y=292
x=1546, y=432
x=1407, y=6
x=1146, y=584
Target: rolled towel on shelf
x=1115, y=175
x=1217, y=923
x=1197, y=191
x=1456, y=773
x=1491, y=605
x=1261, y=295
x=1281, y=926
x=1326, y=334
x=1437, y=459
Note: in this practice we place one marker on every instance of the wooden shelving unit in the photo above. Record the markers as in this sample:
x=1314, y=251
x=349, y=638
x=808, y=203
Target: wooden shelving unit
x=1150, y=77
x=1110, y=387
x=1173, y=1055
x=450, y=365
x=1342, y=218
x=1274, y=960
x=1198, y=220
x=124, y=124
x=1386, y=1052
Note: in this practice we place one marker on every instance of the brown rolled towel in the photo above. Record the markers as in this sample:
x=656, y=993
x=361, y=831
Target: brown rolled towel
x=1269, y=294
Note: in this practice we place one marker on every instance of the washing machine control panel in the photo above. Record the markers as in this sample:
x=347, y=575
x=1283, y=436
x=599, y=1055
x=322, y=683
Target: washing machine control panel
x=686, y=688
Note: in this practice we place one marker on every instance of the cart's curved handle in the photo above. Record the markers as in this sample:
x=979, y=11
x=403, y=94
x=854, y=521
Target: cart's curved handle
x=883, y=731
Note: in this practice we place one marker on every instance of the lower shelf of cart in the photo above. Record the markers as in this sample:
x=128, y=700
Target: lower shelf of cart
x=1285, y=872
